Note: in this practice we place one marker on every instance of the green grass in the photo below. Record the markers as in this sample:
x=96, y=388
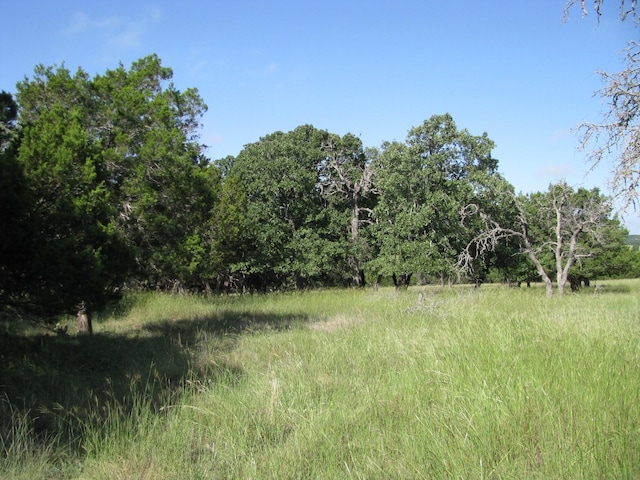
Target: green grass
x=425, y=383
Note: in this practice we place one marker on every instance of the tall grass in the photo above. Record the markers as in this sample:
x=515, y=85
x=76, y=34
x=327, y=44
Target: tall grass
x=426, y=383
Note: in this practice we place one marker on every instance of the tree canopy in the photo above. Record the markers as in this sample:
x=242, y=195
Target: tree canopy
x=105, y=187
x=112, y=173
x=423, y=184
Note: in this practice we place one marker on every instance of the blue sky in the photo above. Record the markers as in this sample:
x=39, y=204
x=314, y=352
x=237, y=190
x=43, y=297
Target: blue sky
x=511, y=68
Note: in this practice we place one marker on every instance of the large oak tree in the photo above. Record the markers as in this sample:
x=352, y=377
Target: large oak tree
x=423, y=183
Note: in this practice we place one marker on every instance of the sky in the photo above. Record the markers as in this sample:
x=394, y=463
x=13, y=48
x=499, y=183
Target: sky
x=375, y=68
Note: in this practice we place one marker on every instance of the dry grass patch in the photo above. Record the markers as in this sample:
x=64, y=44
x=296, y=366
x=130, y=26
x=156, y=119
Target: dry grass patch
x=335, y=323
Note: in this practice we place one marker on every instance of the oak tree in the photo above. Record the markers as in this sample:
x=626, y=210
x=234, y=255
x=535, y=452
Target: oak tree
x=346, y=175
x=554, y=229
x=423, y=183
x=285, y=240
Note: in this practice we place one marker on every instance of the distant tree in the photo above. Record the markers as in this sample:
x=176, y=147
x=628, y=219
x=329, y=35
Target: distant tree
x=286, y=242
x=558, y=225
x=347, y=183
x=423, y=184
x=395, y=255
x=226, y=254
x=633, y=241
x=611, y=258
x=505, y=262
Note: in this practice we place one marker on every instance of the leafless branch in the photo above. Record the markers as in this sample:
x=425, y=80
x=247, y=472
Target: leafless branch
x=627, y=9
x=617, y=136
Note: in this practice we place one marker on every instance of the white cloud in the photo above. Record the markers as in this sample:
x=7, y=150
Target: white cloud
x=560, y=134
x=128, y=37
x=117, y=31
x=555, y=171
x=271, y=68
x=212, y=138
x=81, y=23
x=198, y=68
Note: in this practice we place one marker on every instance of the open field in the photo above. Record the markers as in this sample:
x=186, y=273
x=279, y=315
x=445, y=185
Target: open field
x=424, y=383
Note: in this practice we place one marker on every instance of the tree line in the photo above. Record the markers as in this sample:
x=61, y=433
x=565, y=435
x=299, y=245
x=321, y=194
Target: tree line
x=104, y=186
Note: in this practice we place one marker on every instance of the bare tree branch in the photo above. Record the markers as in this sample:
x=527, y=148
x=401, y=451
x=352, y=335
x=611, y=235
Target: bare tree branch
x=574, y=214
x=617, y=136
x=627, y=8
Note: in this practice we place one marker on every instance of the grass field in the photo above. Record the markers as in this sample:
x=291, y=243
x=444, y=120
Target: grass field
x=424, y=383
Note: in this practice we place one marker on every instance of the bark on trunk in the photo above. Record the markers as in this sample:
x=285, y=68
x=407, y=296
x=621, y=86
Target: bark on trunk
x=562, y=281
x=547, y=281
x=357, y=275
x=85, y=326
x=541, y=271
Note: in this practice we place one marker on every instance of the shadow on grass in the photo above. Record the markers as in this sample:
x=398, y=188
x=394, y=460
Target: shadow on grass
x=66, y=384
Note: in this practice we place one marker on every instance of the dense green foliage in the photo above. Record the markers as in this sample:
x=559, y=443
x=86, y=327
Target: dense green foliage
x=426, y=383
x=112, y=184
x=424, y=184
x=105, y=187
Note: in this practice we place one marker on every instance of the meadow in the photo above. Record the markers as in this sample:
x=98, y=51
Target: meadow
x=429, y=382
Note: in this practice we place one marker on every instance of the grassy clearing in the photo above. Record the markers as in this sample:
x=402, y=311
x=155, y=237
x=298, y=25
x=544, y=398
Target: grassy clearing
x=427, y=383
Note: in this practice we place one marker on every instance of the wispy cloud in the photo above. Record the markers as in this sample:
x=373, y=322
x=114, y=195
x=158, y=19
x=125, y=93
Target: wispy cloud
x=560, y=134
x=212, y=138
x=555, y=171
x=271, y=68
x=198, y=70
x=115, y=31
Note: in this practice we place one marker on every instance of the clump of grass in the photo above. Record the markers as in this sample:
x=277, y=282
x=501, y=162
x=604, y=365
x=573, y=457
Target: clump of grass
x=22, y=454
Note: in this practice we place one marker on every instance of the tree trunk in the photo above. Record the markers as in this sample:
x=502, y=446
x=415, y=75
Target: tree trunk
x=563, y=273
x=562, y=281
x=547, y=281
x=549, y=285
x=357, y=274
x=85, y=326
x=402, y=281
